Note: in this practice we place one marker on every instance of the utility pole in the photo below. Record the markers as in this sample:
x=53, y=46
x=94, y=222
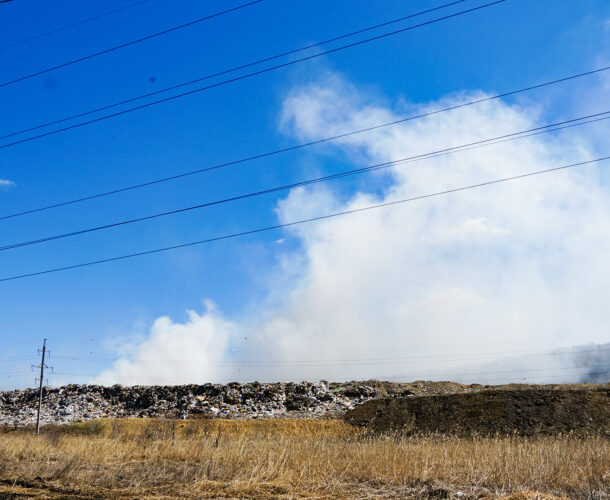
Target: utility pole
x=42, y=367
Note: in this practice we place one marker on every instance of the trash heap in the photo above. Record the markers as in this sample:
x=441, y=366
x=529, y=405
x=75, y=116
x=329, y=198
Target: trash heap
x=72, y=403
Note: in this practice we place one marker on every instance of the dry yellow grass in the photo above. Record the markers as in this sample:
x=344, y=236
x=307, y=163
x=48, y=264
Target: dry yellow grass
x=291, y=458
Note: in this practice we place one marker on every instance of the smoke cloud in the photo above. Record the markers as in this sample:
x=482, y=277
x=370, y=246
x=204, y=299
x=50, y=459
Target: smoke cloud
x=438, y=288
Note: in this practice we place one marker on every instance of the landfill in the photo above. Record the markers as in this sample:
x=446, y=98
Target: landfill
x=322, y=399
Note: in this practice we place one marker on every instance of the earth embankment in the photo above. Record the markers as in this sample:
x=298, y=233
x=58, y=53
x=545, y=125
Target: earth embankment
x=526, y=412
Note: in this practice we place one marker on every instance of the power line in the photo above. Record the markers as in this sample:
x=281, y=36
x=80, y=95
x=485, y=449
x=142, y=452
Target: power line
x=302, y=145
x=13, y=358
x=72, y=25
x=364, y=362
x=231, y=351
x=230, y=70
x=303, y=221
x=410, y=349
x=247, y=75
x=567, y=368
x=123, y=45
x=442, y=358
x=464, y=147
x=12, y=344
x=435, y=375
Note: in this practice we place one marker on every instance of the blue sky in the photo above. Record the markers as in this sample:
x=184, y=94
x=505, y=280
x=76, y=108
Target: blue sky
x=504, y=47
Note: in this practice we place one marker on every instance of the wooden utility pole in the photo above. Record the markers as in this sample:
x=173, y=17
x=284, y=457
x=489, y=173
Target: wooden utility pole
x=42, y=367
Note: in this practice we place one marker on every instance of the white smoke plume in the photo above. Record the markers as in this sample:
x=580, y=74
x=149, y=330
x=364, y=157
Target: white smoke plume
x=436, y=288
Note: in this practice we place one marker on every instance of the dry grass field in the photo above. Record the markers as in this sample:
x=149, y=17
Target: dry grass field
x=288, y=459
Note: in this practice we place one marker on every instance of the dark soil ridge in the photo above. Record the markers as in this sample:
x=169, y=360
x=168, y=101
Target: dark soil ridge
x=581, y=411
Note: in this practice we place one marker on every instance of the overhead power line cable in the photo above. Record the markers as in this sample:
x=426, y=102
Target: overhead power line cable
x=72, y=25
x=14, y=375
x=561, y=369
x=9, y=358
x=583, y=346
x=302, y=145
x=303, y=221
x=406, y=376
x=560, y=351
x=463, y=147
x=231, y=350
x=443, y=358
x=287, y=363
x=554, y=350
x=248, y=75
x=127, y=44
x=224, y=72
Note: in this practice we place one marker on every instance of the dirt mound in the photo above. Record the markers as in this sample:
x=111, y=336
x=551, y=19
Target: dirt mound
x=490, y=412
x=72, y=403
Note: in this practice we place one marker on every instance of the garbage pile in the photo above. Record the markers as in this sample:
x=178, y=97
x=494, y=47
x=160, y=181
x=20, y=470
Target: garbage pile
x=253, y=400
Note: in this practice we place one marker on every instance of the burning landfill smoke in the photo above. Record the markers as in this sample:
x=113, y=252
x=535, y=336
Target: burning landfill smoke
x=437, y=288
